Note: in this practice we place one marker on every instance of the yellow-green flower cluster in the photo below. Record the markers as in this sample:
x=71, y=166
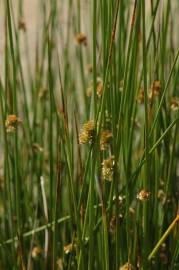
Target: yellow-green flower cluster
x=99, y=88
x=107, y=168
x=143, y=195
x=11, y=123
x=105, y=139
x=87, y=132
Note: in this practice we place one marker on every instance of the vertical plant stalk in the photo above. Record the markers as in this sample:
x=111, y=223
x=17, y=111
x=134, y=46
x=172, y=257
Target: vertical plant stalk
x=16, y=169
x=145, y=94
x=59, y=170
x=94, y=55
x=113, y=34
x=46, y=242
x=146, y=138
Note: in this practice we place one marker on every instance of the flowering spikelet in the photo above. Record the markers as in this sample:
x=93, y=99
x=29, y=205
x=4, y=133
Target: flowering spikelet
x=84, y=137
x=121, y=85
x=37, y=148
x=112, y=224
x=89, y=126
x=36, y=252
x=155, y=89
x=162, y=196
x=140, y=97
x=107, y=168
x=174, y=104
x=99, y=88
x=143, y=195
x=11, y=122
x=69, y=248
x=105, y=139
x=81, y=39
x=22, y=25
x=87, y=132
x=126, y=266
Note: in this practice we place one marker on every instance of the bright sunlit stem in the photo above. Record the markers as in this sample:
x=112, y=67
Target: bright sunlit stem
x=162, y=239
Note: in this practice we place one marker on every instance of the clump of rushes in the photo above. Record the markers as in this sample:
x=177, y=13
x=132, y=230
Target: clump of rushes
x=105, y=139
x=108, y=168
x=11, y=123
x=81, y=39
x=87, y=132
x=143, y=195
x=113, y=67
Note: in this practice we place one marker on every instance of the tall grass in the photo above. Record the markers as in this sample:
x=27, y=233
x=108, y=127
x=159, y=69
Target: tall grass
x=89, y=136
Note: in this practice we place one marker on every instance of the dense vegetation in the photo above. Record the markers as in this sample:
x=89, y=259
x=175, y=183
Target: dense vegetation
x=89, y=175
